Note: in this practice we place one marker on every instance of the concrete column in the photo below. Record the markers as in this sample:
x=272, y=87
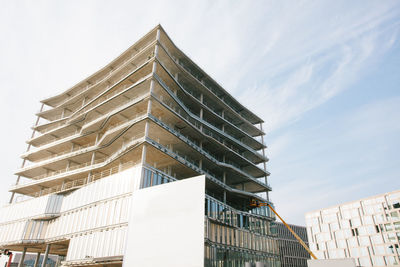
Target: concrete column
x=151, y=86
x=93, y=158
x=201, y=98
x=156, y=50
x=46, y=255
x=263, y=151
x=37, y=260
x=21, y=261
x=201, y=164
x=224, y=180
x=154, y=68
x=89, y=179
x=158, y=34
x=146, y=129
x=149, y=107
x=144, y=151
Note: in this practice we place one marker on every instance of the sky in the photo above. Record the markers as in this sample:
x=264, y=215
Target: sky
x=324, y=76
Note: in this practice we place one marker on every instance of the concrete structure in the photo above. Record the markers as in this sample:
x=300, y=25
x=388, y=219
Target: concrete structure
x=367, y=230
x=291, y=252
x=150, y=117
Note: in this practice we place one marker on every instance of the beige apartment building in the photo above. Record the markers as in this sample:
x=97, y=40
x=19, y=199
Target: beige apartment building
x=149, y=117
x=367, y=230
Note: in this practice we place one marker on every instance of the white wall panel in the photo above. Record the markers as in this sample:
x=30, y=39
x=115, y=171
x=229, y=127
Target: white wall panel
x=114, y=185
x=103, y=203
x=25, y=209
x=12, y=231
x=166, y=225
x=97, y=244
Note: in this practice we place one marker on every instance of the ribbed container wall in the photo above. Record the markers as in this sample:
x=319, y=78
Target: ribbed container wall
x=97, y=215
x=104, y=243
x=24, y=209
x=103, y=204
x=12, y=231
x=111, y=186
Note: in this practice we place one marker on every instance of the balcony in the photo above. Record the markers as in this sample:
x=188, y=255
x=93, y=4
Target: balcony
x=213, y=158
x=174, y=108
x=187, y=161
x=51, y=178
x=212, y=108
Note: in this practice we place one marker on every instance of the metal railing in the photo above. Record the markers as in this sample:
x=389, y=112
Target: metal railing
x=84, y=181
x=130, y=142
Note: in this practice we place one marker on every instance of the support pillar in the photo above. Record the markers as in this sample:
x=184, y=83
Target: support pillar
x=144, y=151
x=46, y=255
x=146, y=129
x=37, y=260
x=265, y=164
x=224, y=180
x=149, y=106
x=21, y=261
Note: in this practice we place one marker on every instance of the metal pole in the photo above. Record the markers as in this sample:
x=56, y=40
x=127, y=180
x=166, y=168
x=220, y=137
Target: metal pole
x=37, y=260
x=46, y=255
x=21, y=261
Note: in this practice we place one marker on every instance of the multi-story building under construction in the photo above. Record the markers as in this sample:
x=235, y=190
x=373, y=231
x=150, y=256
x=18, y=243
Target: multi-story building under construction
x=150, y=117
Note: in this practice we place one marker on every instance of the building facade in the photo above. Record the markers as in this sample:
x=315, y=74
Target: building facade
x=291, y=252
x=150, y=117
x=367, y=230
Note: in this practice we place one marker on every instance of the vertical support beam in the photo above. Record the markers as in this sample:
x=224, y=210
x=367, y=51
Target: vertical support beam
x=97, y=138
x=201, y=117
x=144, y=152
x=154, y=67
x=158, y=34
x=224, y=180
x=27, y=149
x=201, y=98
x=37, y=260
x=93, y=158
x=146, y=129
x=156, y=50
x=201, y=164
x=151, y=86
x=149, y=107
x=264, y=163
x=21, y=261
x=46, y=255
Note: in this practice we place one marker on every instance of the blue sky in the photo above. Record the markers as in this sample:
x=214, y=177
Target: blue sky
x=324, y=75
